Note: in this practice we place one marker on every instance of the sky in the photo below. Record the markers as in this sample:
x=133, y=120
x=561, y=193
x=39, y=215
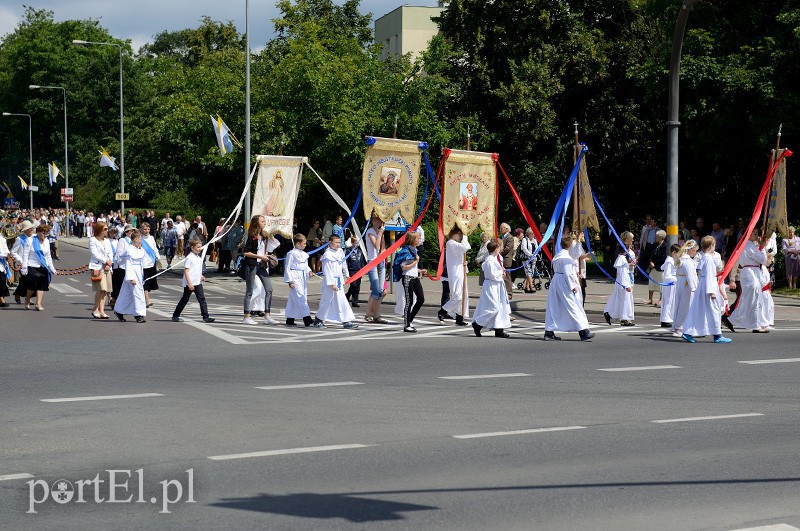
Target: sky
x=140, y=20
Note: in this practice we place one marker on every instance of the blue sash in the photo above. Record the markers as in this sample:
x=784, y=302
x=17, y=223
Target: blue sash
x=149, y=250
x=37, y=248
x=5, y=267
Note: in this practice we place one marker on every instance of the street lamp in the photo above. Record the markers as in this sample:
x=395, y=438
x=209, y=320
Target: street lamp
x=30, y=143
x=121, y=115
x=66, y=151
x=247, y=212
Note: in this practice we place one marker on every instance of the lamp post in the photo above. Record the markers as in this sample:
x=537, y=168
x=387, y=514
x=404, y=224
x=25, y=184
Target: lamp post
x=247, y=109
x=673, y=122
x=30, y=143
x=121, y=116
x=66, y=150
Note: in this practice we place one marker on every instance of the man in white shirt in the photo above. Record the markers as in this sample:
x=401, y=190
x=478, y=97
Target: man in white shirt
x=180, y=230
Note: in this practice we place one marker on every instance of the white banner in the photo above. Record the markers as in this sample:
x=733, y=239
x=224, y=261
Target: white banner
x=276, y=191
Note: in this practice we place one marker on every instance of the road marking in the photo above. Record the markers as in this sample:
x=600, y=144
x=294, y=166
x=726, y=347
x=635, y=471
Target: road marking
x=289, y=451
x=651, y=368
x=106, y=397
x=760, y=362
x=77, y=295
x=517, y=432
x=173, y=288
x=64, y=288
x=205, y=328
x=304, y=386
x=73, y=280
x=621, y=329
x=773, y=527
x=690, y=419
x=479, y=376
x=9, y=477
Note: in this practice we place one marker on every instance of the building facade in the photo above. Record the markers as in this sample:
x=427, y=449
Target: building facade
x=407, y=29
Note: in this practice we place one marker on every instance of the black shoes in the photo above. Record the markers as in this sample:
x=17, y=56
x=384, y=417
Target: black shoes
x=460, y=320
x=290, y=322
x=307, y=320
x=208, y=319
x=727, y=323
x=666, y=325
x=120, y=316
x=585, y=334
x=501, y=333
x=608, y=317
x=549, y=335
x=627, y=323
x=477, y=328
x=140, y=319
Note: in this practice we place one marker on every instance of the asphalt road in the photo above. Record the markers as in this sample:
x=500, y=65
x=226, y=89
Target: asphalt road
x=532, y=435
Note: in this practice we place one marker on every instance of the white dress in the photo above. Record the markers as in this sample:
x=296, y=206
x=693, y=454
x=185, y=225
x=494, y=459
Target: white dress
x=333, y=305
x=454, y=254
x=685, y=286
x=749, y=312
x=493, y=310
x=131, y=298
x=668, y=292
x=703, y=318
x=564, y=309
x=295, y=270
x=620, y=303
x=767, y=303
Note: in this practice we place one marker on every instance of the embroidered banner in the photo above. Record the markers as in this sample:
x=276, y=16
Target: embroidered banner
x=587, y=215
x=276, y=191
x=776, y=215
x=469, y=192
x=390, y=177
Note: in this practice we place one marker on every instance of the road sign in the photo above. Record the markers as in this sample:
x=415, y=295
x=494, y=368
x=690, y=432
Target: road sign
x=33, y=188
x=66, y=198
x=66, y=191
x=123, y=197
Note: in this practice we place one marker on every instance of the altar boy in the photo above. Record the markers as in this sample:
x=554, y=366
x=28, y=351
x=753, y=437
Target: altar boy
x=295, y=274
x=703, y=318
x=493, y=310
x=564, y=308
x=333, y=305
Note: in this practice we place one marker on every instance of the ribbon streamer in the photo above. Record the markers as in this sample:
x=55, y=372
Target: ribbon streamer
x=523, y=208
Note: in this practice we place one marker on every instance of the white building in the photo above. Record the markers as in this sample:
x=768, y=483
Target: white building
x=407, y=29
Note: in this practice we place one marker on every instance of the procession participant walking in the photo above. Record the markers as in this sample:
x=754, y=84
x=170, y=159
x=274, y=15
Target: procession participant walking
x=256, y=268
x=354, y=264
x=564, y=309
x=100, y=264
x=333, y=305
x=507, y=252
x=296, y=272
x=749, y=312
x=703, y=317
x=455, y=250
x=620, y=303
x=579, y=254
x=5, y=272
x=118, y=276
x=668, y=292
x=131, y=298
x=26, y=230
x=493, y=310
x=37, y=265
x=657, y=256
x=377, y=275
x=685, y=286
x=193, y=283
x=408, y=259
x=150, y=263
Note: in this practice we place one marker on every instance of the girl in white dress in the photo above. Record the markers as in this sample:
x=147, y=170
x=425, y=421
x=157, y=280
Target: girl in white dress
x=493, y=310
x=750, y=312
x=620, y=303
x=668, y=292
x=704, y=314
x=685, y=284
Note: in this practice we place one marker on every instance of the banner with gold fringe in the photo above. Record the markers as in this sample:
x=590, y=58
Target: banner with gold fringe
x=469, y=192
x=390, y=177
x=776, y=214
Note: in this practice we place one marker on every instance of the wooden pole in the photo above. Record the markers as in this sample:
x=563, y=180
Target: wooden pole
x=575, y=207
x=464, y=284
x=283, y=142
x=772, y=156
x=393, y=234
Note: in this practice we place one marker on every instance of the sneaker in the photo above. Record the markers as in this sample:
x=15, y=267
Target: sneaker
x=550, y=336
x=628, y=323
x=355, y=305
x=319, y=324
x=248, y=321
x=269, y=321
x=689, y=338
x=676, y=333
x=208, y=319
x=140, y=319
x=350, y=326
x=586, y=335
x=177, y=319
x=410, y=329
x=722, y=339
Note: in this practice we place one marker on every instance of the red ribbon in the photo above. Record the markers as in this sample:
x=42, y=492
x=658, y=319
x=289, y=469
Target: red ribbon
x=522, y=208
x=734, y=258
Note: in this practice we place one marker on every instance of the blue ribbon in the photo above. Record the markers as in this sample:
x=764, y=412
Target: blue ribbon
x=149, y=250
x=5, y=265
x=594, y=259
x=37, y=248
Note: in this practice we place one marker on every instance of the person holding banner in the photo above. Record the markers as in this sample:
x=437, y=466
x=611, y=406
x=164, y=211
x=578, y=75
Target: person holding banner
x=704, y=314
x=455, y=251
x=256, y=267
x=333, y=305
x=685, y=284
x=377, y=275
x=493, y=310
x=296, y=272
x=749, y=312
x=620, y=303
x=564, y=309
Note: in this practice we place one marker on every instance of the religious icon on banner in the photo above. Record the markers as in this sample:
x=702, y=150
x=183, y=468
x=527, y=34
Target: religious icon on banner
x=469, y=191
x=390, y=176
x=276, y=191
x=469, y=198
x=390, y=180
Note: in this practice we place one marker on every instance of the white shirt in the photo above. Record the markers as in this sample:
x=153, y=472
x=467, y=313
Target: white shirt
x=372, y=251
x=413, y=271
x=100, y=251
x=180, y=228
x=148, y=262
x=195, y=266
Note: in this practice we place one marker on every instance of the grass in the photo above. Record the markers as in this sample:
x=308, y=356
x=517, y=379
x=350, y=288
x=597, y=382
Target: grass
x=786, y=292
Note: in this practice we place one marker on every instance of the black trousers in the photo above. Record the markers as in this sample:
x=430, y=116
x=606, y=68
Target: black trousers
x=201, y=300
x=79, y=230
x=413, y=290
x=445, y=291
x=117, y=279
x=353, y=290
x=225, y=258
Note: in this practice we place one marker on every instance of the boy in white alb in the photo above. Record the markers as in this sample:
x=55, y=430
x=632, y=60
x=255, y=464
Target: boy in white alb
x=131, y=300
x=564, y=309
x=668, y=291
x=193, y=282
x=333, y=305
x=685, y=285
x=620, y=303
x=704, y=312
x=493, y=310
x=295, y=274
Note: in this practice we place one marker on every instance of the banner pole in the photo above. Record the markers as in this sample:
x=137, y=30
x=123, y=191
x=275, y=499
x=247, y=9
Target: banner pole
x=772, y=156
x=576, y=228
x=464, y=284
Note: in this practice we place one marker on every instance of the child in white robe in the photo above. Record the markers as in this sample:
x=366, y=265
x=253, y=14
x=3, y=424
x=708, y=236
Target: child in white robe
x=685, y=284
x=564, y=309
x=296, y=273
x=668, y=292
x=749, y=312
x=131, y=299
x=703, y=318
x=493, y=310
x=333, y=305
x=454, y=251
x=620, y=303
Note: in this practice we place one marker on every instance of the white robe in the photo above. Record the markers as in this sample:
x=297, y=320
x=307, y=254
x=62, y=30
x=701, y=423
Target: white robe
x=296, y=270
x=668, y=292
x=564, y=309
x=454, y=254
x=131, y=299
x=258, y=300
x=400, y=298
x=703, y=318
x=620, y=303
x=493, y=310
x=749, y=312
x=333, y=305
x=685, y=286
x=767, y=303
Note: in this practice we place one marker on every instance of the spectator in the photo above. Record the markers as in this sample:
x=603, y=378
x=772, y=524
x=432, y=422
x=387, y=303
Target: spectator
x=314, y=240
x=507, y=252
x=180, y=232
x=256, y=267
x=701, y=228
x=169, y=239
x=657, y=258
x=527, y=246
x=719, y=238
x=791, y=252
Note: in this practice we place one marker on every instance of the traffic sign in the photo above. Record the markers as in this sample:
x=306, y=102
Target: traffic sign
x=66, y=198
x=66, y=191
x=123, y=197
x=33, y=188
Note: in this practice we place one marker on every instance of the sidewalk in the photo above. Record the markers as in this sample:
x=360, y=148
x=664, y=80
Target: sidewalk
x=597, y=292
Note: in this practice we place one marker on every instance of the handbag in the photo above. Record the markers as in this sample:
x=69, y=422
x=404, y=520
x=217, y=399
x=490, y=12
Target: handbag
x=272, y=261
x=97, y=275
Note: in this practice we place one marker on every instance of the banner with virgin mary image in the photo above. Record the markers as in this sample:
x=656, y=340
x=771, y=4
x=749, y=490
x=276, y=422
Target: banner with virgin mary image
x=276, y=192
x=469, y=192
x=390, y=177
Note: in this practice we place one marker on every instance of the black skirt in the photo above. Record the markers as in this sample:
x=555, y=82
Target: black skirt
x=150, y=284
x=3, y=283
x=38, y=279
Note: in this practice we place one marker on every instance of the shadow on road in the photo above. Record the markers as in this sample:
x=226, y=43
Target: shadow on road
x=324, y=506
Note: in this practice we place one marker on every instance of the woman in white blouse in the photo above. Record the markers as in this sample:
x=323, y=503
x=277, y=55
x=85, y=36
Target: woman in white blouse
x=37, y=266
x=102, y=258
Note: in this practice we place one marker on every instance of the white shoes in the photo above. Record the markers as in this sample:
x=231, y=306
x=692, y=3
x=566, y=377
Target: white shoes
x=269, y=321
x=248, y=321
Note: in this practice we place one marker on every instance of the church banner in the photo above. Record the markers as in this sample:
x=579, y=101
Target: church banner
x=390, y=177
x=776, y=216
x=469, y=195
x=587, y=215
x=276, y=192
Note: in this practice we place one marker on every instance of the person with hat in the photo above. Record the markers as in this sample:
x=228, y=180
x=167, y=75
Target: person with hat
x=118, y=276
x=37, y=265
x=26, y=230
